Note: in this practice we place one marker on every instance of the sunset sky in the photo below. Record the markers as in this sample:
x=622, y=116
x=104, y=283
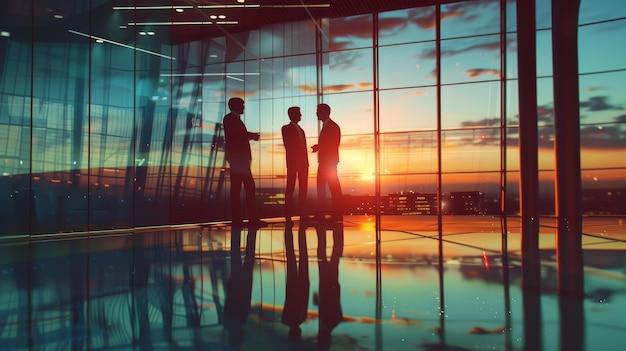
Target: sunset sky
x=470, y=111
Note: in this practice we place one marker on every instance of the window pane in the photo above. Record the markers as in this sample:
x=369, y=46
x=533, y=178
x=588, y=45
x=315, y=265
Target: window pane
x=407, y=65
x=471, y=105
x=349, y=70
x=470, y=59
x=471, y=150
x=470, y=18
x=408, y=153
x=406, y=25
x=348, y=33
x=597, y=47
x=600, y=10
x=408, y=109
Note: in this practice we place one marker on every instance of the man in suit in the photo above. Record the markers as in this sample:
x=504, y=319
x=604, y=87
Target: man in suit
x=327, y=150
x=297, y=160
x=239, y=157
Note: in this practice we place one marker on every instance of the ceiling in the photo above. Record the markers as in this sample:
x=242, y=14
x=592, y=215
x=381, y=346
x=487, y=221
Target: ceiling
x=53, y=19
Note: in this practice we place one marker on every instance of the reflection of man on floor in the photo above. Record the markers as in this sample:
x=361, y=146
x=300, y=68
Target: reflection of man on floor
x=329, y=302
x=239, y=286
x=297, y=285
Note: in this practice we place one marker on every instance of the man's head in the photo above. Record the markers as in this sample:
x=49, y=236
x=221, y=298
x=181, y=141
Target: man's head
x=294, y=114
x=236, y=105
x=323, y=112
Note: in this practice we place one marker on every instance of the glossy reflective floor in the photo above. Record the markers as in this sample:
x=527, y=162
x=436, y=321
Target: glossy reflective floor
x=326, y=286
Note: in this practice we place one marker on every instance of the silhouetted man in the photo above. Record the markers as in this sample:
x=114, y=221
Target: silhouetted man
x=297, y=160
x=239, y=157
x=327, y=150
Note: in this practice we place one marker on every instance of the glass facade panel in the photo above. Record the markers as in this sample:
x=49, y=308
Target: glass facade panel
x=406, y=25
x=345, y=71
x=408, y=153
x=408, y=109
x=470, y=59
x=347, y=33
x=597, y=53
x=471, y=105
x=407, y=65
x=470, y=18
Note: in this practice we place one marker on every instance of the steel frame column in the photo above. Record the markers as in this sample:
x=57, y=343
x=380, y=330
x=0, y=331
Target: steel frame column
x=567, y=146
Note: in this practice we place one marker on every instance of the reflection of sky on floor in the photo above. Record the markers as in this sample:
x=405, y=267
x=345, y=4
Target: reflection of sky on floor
x=129, y=284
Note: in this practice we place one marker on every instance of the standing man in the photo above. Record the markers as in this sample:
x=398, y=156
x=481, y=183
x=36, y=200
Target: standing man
x=297, y=162
x=239, y=157
x=327, y=150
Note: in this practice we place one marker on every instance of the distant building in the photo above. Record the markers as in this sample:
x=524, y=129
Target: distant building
x=465, y=203
x=363, y=204
x=412, y=203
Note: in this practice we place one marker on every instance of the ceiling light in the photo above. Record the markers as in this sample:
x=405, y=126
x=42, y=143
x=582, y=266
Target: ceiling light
x=257, y=6
x=180, y=10
x=209, y=74
x=180, y=23
x=5, y=34
x=177, y=7
x=226, y=6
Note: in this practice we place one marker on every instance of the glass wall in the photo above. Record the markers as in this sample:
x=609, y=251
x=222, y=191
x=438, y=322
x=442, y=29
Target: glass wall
x=107, y=123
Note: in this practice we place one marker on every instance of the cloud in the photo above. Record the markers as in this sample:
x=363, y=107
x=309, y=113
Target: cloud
x=488, y=44
x=307, y=89
x=391, y=26
x=597, y=103
x=338, y=88
x=485, y=122
x=344, y=60
x=595, y=137
x=476, y=72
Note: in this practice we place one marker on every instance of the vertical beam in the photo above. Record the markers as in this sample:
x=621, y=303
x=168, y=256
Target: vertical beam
x=376, y=100
x=529, y=176
x=568, y=178
x=567, y=146
x=440, y=262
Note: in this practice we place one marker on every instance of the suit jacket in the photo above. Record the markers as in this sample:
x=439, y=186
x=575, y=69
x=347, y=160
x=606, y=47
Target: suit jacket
x=237, y=138
x=295, y=146
x=328, y=142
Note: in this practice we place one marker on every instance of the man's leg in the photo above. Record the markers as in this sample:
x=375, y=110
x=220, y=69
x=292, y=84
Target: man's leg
x=335, y=192
x=291, y=184
x=250, y=189
x=303, y=179
x=235, y=200
x=321, y=191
